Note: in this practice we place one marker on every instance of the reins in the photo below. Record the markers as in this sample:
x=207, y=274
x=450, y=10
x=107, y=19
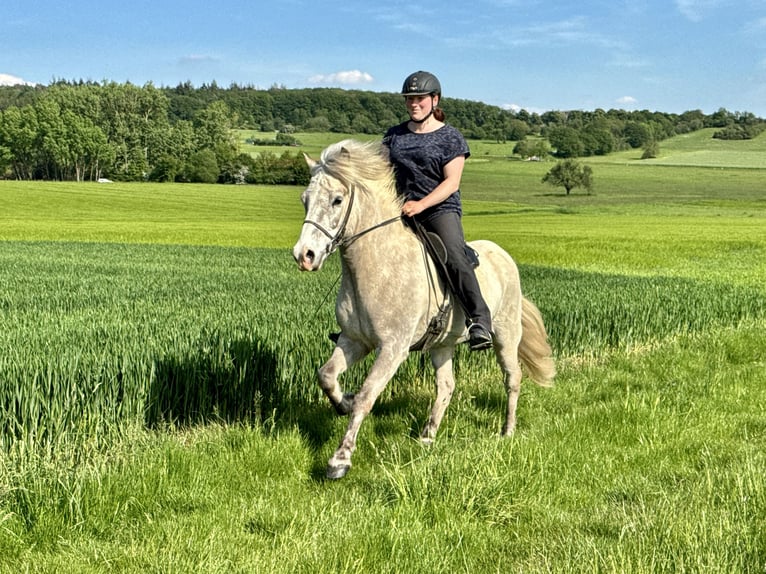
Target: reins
x=340, y=238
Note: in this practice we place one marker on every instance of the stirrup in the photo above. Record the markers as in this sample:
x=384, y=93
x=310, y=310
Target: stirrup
x=479, y=338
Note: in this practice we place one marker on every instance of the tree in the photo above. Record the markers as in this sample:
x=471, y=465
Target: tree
x=566, y=141
x=569, y=174
x=597, y=139
x=165, y=169
x=6, y=157
x=213, y=125
x=19, y=135
x=517, y=130
x=532, y=148
x=637, y=134
x=202, y=167
x=130, y=117
x=651, y=150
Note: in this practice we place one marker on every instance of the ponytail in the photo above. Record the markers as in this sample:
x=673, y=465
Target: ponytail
x=439, y=114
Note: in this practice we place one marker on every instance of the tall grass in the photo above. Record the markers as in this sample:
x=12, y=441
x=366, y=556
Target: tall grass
x=651, y=462
x=102, y=334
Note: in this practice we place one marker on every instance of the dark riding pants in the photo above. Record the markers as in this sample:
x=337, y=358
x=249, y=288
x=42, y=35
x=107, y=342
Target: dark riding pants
x=460, y=267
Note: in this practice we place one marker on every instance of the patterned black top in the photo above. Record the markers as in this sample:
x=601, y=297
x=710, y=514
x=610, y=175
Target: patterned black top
x=419, y=161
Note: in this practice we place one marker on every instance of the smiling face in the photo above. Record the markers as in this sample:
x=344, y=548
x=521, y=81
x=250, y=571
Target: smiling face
x=419, y=107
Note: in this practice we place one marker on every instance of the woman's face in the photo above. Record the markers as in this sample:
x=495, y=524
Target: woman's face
x=420, y=106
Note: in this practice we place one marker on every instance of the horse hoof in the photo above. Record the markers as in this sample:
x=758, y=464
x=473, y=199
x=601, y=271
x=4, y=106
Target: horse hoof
x=336, y=472
x=346, y=405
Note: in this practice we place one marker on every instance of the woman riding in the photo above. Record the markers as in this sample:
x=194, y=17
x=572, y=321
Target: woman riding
x=428, y=156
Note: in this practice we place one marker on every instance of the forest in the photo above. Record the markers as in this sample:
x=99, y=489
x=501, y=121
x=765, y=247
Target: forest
x=86, y=131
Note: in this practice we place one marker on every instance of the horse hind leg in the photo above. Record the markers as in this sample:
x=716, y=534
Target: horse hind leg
x=441, y=359
x=512, y=382
x=506, y=345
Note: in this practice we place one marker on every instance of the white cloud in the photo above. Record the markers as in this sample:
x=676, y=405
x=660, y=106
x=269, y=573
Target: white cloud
x=627, y=101
x=349, y=77
x=518, y=108
x=8, y=80
x=572, y=31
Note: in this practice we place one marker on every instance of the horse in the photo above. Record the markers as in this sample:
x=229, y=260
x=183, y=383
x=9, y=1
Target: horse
x=388, y=295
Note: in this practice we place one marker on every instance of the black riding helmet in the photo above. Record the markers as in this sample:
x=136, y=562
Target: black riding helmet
x=421, y=84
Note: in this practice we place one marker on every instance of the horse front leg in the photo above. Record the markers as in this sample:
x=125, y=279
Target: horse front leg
x=345, y=354
x=382, y=370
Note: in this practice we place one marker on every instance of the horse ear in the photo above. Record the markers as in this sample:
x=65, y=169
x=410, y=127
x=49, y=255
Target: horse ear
x=311, y=163
x=345, y=153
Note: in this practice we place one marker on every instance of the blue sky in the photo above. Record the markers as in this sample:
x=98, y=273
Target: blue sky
x=669, y=56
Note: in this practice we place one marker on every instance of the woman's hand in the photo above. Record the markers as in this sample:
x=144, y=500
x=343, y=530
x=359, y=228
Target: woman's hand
x=412, y=208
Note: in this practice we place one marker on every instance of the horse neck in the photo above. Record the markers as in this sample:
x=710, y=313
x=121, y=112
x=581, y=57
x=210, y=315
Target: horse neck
x=391, y=244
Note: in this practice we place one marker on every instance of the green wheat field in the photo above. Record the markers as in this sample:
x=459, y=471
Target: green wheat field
x=159, y=410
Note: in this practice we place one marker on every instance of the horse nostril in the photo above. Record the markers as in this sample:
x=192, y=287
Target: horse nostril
x=309, y=256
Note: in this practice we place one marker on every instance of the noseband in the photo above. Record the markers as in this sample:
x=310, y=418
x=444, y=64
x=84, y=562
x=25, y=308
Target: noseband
x=339, y=238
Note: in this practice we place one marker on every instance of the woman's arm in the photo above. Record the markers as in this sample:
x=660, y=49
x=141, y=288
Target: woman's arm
x=453, y=173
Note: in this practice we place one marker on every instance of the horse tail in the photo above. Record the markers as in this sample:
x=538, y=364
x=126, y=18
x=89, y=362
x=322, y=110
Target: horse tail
x=534, y=350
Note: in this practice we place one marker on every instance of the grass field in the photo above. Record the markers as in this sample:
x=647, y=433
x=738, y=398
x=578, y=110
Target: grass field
x=160, y=413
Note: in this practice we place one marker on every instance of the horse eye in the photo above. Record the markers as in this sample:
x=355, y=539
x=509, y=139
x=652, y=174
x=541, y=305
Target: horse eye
x=337, y=201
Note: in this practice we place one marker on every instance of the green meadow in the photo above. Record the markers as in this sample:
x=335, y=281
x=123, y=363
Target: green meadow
x=160, y=412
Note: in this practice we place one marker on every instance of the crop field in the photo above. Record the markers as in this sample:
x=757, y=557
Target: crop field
x=159, y=410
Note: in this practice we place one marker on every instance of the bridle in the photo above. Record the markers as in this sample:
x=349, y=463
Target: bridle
x=339, y=239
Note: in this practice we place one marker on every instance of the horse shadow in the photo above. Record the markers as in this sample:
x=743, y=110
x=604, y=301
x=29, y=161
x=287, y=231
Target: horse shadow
x=237, y=381
x=232, y=381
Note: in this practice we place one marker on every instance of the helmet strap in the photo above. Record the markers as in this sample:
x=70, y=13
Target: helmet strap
x=427, y=115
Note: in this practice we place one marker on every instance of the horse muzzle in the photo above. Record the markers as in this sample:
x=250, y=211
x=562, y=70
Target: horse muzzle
x=308, y=259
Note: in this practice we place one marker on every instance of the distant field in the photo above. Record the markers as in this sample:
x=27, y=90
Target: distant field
x=625, y=225
x=312, y=143
x=148, y=213
x=697, y=149
x=700, y=149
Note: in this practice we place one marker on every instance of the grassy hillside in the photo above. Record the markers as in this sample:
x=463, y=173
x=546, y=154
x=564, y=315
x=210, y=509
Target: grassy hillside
x=700, y=149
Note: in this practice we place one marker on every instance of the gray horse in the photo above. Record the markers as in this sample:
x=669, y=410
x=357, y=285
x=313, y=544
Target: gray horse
x=388, y=296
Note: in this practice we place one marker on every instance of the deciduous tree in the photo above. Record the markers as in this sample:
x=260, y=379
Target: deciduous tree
x=569, y=174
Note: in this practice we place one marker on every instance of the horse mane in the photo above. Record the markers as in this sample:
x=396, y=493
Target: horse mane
x=362, y=164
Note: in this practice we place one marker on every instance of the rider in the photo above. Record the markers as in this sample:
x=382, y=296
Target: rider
x=428, y=157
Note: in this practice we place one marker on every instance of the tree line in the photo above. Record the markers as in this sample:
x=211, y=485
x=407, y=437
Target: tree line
x=118, y=131
x=89, y=130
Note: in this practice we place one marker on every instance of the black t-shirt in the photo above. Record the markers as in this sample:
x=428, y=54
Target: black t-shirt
x=419, y=161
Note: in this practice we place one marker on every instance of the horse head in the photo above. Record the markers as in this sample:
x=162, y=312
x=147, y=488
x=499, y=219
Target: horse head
x=327, y=202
